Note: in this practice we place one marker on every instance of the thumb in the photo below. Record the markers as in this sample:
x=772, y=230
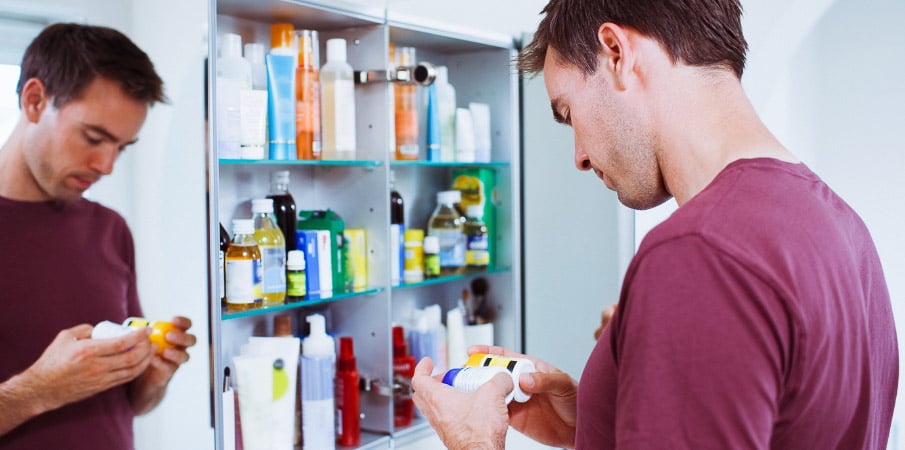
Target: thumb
x=498, y=386
x=82, y=331
x=557, y=383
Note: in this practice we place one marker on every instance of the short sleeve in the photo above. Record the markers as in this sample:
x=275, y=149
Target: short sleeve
x=699, y=350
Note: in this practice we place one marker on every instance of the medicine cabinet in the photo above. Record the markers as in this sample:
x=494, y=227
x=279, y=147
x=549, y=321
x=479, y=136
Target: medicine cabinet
x=480, y=68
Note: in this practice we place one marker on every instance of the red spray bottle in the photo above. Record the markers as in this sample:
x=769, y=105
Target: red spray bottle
x=348, y=406
x=403, y=367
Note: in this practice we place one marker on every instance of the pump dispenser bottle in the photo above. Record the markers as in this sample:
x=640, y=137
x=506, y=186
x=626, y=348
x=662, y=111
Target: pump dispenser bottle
x=318, y=368
x=337, y=103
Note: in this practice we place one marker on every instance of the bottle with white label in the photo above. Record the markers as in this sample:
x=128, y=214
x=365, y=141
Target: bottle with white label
x=318, y=369
x=243, y=269
x=273, y=251
x=337, y=103
x=447, y=225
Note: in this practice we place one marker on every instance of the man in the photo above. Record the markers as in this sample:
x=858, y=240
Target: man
x=67, y=262
x=756, y=316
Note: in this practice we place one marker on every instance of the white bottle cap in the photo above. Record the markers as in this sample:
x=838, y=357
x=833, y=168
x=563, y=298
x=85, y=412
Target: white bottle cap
x=318, y=343
x=262, y=205
x=231, y=45
x=449, y=197
x=243, y=226
x=108, y=329
x=442, y=75
x=476, y=211
x=336, y=50
x=295, y=260
x=431, y=244
x=280, y=176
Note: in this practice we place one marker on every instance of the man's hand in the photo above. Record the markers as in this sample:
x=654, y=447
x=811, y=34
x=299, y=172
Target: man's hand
x=605, y=318
x=464, y=420
x=148, y=389
x=549, y=416
x=73, y=367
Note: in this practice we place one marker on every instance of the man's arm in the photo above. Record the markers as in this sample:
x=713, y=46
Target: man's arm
x=146, y=391
x=73, y=367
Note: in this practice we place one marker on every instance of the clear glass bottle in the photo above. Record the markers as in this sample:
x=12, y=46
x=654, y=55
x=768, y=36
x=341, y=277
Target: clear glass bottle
x=448, y=226
x=477, y=256
x=243, y=269
x=273, y=251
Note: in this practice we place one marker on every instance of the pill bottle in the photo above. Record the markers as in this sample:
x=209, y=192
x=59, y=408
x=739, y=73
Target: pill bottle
x=469, y=379
x=159, y=330
x=515, y=366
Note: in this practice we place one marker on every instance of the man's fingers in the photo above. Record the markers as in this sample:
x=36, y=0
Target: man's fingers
x=499, y=386
x=558, y=383
x=181, y=322
x=82, y=331
x=117, y=345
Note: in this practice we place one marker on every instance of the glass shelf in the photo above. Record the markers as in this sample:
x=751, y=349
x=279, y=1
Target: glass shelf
x=421, y=163
x=297, y=305
x=369, y=440
x=367, y=163
x=452, y=278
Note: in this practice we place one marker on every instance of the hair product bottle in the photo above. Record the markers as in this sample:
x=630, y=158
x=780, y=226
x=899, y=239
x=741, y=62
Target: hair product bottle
x=348, y=419
x=337, y=103
x=406, y=115
x=308, y=95
x=318, y=369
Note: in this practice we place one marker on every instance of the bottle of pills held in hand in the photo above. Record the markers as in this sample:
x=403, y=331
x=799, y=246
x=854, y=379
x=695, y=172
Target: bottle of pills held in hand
x=159, y=330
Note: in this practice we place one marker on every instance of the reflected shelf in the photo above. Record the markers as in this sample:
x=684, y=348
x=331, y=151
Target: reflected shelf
x=367, y=163
x=307, y=302
x=452, y=278
x=422, y=163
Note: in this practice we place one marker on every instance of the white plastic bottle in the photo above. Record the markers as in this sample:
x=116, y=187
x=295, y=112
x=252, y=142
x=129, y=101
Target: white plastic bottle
x=233, y=75
x=446, y=109
x=434, y=316
x=337, y=103
x=318, y=369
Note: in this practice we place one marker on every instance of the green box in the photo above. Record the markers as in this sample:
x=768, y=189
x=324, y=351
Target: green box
x=478, y=187
x=328, y=220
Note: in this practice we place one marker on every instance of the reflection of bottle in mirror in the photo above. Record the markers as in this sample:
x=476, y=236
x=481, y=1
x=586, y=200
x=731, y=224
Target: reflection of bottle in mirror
x=404, y=369
x=337, y=103
x=446, y=224
x=283, y=206
x=476, y=255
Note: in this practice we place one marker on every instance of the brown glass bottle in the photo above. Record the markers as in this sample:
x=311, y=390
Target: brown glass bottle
x=283, y=206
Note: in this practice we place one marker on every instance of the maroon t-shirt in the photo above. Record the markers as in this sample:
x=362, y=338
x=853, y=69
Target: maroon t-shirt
x=60, y=266
x=755, y=317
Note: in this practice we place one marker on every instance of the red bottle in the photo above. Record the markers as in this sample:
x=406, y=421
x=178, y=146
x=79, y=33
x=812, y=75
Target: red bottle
x=348, y=406
x=403, y=367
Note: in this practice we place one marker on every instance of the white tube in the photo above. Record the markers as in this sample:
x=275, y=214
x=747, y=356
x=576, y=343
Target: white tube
x=287, y=350
x=254, y=380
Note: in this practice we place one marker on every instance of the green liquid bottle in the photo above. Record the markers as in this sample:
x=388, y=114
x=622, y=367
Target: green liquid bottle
x=477, y=256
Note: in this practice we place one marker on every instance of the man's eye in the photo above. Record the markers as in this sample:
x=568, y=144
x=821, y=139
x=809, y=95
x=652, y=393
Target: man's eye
x=93, y=140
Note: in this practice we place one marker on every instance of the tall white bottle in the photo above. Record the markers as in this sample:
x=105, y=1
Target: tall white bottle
x=233, y=76
x=337, y=103
x=318, y=370
x=446, y=109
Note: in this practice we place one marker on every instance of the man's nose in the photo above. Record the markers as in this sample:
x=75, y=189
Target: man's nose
x=582, y=162
x=103, y=159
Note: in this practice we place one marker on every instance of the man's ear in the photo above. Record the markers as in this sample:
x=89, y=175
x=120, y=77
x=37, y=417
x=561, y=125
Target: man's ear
x=617, y=56
x=33, y=100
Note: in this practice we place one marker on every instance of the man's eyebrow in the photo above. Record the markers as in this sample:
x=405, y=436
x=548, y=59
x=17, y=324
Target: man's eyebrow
x=554, y=105
x=108, y=135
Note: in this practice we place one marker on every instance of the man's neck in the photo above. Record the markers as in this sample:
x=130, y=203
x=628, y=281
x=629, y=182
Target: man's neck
x=710, y=124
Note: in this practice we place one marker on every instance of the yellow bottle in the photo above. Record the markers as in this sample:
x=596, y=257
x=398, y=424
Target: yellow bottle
x=272, y=246
x=243, y=269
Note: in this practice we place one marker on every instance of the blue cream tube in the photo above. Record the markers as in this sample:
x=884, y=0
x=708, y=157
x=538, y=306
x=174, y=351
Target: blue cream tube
x=281, y=106
x=433, y=125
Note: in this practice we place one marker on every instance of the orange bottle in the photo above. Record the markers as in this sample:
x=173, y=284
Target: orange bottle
x=307, y=93
x=406, y=98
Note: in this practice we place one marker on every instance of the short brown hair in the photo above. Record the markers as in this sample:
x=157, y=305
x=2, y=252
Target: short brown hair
x=66, y=57
x=696, y=32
